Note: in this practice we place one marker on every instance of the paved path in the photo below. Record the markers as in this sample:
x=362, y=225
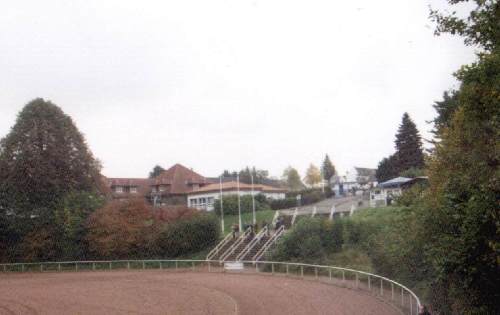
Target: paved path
x=163, y=292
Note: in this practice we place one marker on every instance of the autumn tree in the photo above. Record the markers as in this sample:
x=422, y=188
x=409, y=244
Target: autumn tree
x=121, y=229
x=43, y=158
x=327, y=169
x=313, y=175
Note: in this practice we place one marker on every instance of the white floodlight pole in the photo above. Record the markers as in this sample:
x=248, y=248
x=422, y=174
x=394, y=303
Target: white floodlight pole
x=239, y=202
x=221, y=206
x=253, y=202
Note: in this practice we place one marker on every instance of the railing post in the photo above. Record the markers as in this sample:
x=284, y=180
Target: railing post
x=343, y=275
x=209, y=269
x=381, y=287
x=402, y=298
x=22, y=268
x=392, y=291
x=192, y=264
x=76, y=266
x=59, y=266
x=128, y=265
x=369, y=284
x=272, y=268
x=302, y=271
x=143, y=265
x=41, y=267
x=411, y=306
x=110, y=266
x=176, y=265
x=330, y=273
x=93, y=266
x=4, y=268
x=287, y=269
x=256, y=267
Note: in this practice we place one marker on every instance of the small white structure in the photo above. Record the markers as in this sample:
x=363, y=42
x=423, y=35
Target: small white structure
x=205, y=197
x=357, y=179
x=386, y=192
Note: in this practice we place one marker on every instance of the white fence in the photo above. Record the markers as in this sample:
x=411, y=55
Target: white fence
x=381, y=287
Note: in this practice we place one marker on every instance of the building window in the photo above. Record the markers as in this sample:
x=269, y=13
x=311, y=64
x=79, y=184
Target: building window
x=133, y=190
x=119, y=189
x=194, y=202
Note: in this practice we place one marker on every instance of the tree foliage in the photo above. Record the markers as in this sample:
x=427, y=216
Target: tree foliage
x=387, y=169
x=408, y=142
x=292, y=179
x=313, y=175
x=479, y=28
x=327, y=169
x=157, y=170
x=43, y=158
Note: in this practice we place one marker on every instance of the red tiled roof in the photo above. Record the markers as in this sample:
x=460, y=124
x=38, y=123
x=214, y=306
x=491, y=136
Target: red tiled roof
x=230, y=186
x=180, y=179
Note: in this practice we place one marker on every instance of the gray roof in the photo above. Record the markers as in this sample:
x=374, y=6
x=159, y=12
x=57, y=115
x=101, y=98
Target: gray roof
x=396, y=182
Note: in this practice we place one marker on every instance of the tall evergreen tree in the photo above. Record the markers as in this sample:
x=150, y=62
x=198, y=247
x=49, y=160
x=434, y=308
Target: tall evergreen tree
x=409, y=151
x=43, y=158
x=327, y=169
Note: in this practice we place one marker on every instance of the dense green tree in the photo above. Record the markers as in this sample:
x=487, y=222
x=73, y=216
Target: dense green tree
x=292, y=179
x=408, y=142
x=157, y=170
x=445, y=110
x=43, y=158
x=327, y=169
x=387, y=169
x=464, y=190
x=462, y=232
x=480, y=28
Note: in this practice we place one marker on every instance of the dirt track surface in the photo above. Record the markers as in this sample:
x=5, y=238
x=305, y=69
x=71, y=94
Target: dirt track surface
x=160, y=292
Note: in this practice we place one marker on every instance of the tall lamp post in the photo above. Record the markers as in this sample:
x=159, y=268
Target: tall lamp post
x=253, y=202
x=221, y=206
x=239, y=202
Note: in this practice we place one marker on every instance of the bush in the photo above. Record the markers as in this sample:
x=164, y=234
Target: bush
x=187, y=236
x=230, y=204
x=308, y=196
x=121, y=229
x=277, y=204
x=310, y=240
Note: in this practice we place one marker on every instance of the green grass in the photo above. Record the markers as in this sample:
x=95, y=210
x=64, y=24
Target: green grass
x=247, y=217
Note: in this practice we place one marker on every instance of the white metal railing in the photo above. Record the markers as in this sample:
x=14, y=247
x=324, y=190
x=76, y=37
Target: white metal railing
x=236, y=244
x=382, y=287
x=269, y=242
x=219, y=246
x=252, y=244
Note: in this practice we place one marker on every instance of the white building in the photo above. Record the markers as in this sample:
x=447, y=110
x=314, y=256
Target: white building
x=386, y=192
x=205, y=197
x=357, y=179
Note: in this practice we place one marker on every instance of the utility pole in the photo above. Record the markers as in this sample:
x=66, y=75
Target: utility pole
x=253, y=202
x=239, y=202
x=221, y=205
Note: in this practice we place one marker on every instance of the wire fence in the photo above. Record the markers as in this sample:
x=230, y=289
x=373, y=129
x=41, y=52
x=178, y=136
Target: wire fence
x=383, y=288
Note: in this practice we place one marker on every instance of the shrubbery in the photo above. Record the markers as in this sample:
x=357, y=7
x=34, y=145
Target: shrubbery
x=230, y=204
x=187, y=236
x=134, y=229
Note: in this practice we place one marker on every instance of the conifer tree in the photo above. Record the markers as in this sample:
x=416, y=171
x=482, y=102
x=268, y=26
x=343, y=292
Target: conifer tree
x=409, y=153
x=327, y=169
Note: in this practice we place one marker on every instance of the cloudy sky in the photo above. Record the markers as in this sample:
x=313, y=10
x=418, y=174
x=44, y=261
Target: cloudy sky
x=222, y=84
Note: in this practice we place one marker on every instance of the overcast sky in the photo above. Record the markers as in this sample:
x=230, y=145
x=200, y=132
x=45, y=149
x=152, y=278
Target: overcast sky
x=222, y=84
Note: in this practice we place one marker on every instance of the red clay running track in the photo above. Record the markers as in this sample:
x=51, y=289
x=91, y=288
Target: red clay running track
x=160, y=292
